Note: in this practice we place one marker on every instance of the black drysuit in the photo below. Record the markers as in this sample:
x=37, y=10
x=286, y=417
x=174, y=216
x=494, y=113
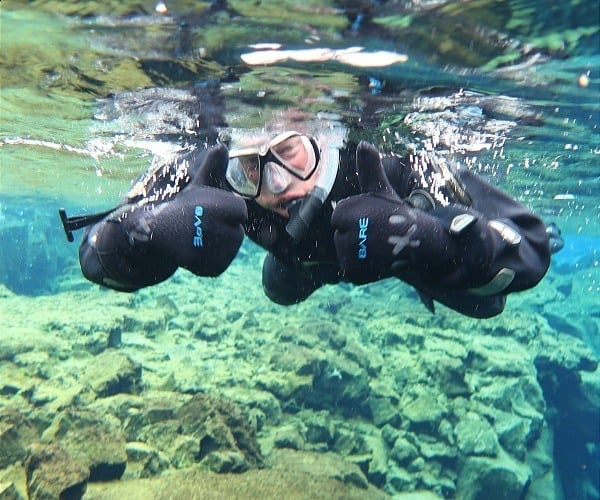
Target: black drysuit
x=467, y=252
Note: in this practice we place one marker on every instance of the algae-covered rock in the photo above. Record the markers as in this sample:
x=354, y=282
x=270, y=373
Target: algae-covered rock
x=339, y=383
x=181, y=450
x=53, y=473
x=94, y=440
x=344, y=441
x=12, y=448
x=254, y=399
x=514, y=433
x=144, y=461
x=403, y=451
x=319, y=426
x=289, y=436
x=522, y=396
x=316, y=379
x=368, y=359
x=16, y=433
x=400, y=479
x=544, y=475
x=424, y=409
x=13, y=482
x=475, y=436
x=319, y=464
x=492, y=479
x=373, y=459
x=8, y=491
x=220, y=426
x=112, y=372
x=383, y=411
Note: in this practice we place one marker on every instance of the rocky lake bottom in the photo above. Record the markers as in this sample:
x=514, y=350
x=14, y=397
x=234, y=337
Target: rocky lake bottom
x=204, y=389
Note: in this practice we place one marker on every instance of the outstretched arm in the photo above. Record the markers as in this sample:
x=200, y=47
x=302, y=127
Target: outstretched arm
x=453, y=250
x=141, y=244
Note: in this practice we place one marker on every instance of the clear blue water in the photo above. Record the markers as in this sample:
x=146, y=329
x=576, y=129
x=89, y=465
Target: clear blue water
x=76, y=126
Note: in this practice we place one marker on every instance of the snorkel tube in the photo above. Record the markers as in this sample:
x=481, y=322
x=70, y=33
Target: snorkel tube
x=330, y=134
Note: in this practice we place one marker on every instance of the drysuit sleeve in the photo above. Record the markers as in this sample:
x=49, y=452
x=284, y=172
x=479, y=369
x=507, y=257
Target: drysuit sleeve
x=453, y=249
x=141, y=244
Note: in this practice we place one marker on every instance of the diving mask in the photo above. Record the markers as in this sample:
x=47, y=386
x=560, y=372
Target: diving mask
x=287, y=155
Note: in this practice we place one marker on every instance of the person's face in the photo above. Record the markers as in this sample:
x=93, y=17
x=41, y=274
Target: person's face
x=288, y=165
x=278, y=185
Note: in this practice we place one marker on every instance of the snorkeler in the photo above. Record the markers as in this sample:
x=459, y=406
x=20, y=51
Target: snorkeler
x=324, y=214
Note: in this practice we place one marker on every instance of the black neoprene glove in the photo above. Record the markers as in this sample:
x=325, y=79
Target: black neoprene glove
x=378, y=235
x=199, y=229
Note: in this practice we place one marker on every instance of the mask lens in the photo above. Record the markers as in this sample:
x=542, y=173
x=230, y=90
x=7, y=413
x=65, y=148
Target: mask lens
x=243, y=174
x=297, y=155
x=276, y=178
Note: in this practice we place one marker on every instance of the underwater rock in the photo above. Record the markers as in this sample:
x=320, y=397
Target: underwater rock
x=492, y=478
x=52, y=473
x=94, y=440
x=148, y=320
x=10, y=443
x=344, y=441
x=136, y=412
x=400, y=479
x=339, y=384
x=424, y=409
x=55, y=395
x=144, y=461
x=403, y=451
x=318, y=380
x=297, y=359
x=514, y=433
x=223, y=461
x=11, y=343
x=448, y=371
x=373, y=459
x=383, y=411
x=319, y=427
x=475, y=436
x=563, y=354
x=16, y=433
x=257, y=400
x=220, y=426
x=285, y=387
x=181, y=450
x=499, y=357
x=544, y=476
x=319, y=464
x=13, y=482
x=570, y=377
x=431, y=448
x=368, y=359
x=288, y=436
x=521, y=396
x=113, y=372
x=8, y=491
x=208, y=331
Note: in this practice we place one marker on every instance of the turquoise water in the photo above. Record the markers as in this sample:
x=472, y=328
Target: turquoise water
x=89, y=89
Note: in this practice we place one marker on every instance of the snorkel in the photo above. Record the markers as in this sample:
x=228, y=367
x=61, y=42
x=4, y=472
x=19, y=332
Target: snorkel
x=330, y=134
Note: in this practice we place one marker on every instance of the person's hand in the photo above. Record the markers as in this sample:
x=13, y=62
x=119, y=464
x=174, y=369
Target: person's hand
x=200, y=228
x=374, y=231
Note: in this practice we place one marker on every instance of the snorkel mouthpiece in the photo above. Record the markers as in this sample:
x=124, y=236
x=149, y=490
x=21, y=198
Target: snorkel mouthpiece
x=302, y=212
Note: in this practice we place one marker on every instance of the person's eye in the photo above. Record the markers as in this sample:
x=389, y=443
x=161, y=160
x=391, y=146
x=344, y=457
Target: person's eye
x=288, y=148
